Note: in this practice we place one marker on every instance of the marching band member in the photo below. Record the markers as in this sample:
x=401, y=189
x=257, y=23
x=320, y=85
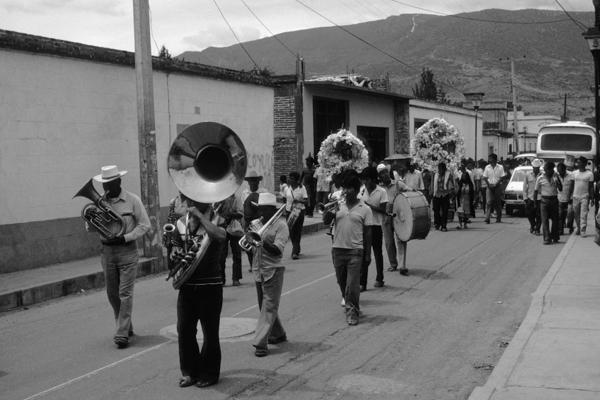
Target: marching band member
x=120, y=255
x=296, y=200
x=268, y=275
x=250, y=197
x=200, y=299
x=351, y=242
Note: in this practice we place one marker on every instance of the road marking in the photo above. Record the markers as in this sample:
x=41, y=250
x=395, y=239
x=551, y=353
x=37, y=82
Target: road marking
x=132, y=356
x=288, y=292
x=94, y=372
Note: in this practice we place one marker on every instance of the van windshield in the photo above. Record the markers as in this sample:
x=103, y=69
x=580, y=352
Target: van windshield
x=519, y=175
x=565, y=142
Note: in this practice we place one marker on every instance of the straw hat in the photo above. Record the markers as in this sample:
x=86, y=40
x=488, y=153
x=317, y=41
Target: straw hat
x=109, y=173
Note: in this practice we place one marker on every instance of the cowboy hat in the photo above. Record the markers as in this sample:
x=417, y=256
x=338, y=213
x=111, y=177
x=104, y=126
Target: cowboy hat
x=536, y=163
x=109, y=173
x=253, y=175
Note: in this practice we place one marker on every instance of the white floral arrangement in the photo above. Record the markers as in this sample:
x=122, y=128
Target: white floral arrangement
x=438, y=141
x=340, y=151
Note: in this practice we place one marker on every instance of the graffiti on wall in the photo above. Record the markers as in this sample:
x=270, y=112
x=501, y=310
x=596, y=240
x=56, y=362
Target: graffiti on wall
x=262, y=163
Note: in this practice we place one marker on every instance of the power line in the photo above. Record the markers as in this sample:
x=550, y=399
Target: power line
x=268, y=30
x=152, y=30
x=493, y=21
x=579, y=24
x=236, y=37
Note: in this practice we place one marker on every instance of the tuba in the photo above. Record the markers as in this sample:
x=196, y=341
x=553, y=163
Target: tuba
x=256, y=230
x=99, y=213
x=207, y=163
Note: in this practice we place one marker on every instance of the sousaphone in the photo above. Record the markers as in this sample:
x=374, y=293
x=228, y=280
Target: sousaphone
x=207, y=163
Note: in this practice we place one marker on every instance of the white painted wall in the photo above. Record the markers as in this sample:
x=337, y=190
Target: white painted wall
x=363, y=110
x=463, y=120
x=61, y=119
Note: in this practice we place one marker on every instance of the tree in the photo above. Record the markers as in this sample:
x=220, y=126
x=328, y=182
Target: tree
x=426, y=88
x=164, y=54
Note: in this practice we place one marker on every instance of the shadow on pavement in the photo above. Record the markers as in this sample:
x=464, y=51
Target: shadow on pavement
x=428, y=273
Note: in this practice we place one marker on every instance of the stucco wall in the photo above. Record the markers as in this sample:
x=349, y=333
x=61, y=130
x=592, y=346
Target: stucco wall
x=462, y=119
x=363, y=110
x=63, y=118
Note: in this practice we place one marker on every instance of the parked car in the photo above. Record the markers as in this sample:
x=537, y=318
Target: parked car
x=513, y=194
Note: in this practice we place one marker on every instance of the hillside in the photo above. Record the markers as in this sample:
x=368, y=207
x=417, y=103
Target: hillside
x=551, y=58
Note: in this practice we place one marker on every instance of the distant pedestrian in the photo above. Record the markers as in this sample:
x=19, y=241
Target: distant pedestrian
x=322, y=185
x=493, y=175
x=119, y=255
x=282, y=188
x=482, y=193
x=296, y=201
x=583, y=193
x=250, y=197
x=309, y=182
x=532, y=207
x=232, y=212
x=564, y=196
x=464, y=197
x=442, y=188
x=547, y=187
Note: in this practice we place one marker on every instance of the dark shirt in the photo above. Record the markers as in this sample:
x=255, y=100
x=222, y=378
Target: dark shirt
x=208, y=271
x=250, y=209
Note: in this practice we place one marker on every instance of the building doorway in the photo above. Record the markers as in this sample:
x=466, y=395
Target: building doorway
x=329, y=115
x=375, y=140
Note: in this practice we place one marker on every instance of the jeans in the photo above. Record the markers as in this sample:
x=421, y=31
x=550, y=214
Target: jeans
x=199, y=303
x=549, y=211
x=376, y=245
x=347, y=263
x=120, y=267
x=533, y=215
x=440, y=211
x=580, y=211
x=494, y=202
x=563, y=210
x=389, y=240
x=296, y=233
x=269, y=324
x=236, y=253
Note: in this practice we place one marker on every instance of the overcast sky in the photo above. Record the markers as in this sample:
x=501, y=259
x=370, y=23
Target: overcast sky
x=183, y=25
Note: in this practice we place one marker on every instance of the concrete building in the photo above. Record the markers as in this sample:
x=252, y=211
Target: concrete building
x=463, y=120
x=68, y=108
x=497, y=138
x=306, y=111
x=529, y=127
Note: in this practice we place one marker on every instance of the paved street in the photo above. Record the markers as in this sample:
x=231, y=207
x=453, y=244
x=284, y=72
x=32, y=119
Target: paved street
x=433, y=335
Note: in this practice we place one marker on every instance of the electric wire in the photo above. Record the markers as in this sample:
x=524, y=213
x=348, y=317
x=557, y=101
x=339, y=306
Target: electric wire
x=236, y=36
x=579, y=24
x=458, y=16
x=152, y=30
x=274, y=36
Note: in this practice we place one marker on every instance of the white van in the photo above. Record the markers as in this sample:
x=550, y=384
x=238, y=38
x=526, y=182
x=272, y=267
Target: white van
x=574, y=138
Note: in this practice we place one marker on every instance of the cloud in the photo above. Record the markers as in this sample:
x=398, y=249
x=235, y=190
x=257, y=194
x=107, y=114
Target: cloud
x=106, y=7
x=220, y=36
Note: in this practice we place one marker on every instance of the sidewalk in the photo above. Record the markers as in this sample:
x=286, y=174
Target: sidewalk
x=24, y=288
x=555, y=354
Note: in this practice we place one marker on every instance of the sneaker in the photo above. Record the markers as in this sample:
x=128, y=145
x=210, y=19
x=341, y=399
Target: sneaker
x=378, y=284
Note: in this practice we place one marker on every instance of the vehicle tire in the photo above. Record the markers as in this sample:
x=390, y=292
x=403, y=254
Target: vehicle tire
x=509, y=210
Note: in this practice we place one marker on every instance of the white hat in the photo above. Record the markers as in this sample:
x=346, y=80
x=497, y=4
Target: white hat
x=109, y=173
x=536, y=163
x=266, y=199
x=381, y=167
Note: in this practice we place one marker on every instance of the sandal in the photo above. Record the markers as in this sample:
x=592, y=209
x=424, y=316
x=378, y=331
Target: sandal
x=186, y=381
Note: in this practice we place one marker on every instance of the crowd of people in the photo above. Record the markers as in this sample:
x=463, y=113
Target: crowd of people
x=359, y=207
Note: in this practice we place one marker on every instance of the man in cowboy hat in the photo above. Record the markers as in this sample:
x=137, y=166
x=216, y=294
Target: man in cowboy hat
x=119, y=254
x=250, y=199
x=268, y=275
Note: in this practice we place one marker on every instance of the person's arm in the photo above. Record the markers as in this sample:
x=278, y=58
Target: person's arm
x=537, y=189
x=213, y=231
x=485, y=176
x=526, y=188
x=141, y=219
x=591, y=188
x=572, y=188
x=367, y=241
x=274, y=244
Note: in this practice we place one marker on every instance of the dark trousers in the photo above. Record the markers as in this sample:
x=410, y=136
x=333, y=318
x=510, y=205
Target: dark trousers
x=236, y=253
x=377, y=246
x=563, y=210
x=494, y=202
x=296, y=233
x=204, y=304
x=311, y=191
x=347, y=263
x=549, y=211
x=440, y=211
x=483, y=197
x=533, y=215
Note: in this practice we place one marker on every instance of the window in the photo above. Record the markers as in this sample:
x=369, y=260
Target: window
x=329, y=115
x=566, y=142
x=419, y=123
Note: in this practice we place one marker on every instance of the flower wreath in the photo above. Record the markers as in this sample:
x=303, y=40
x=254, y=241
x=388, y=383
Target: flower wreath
x=340, y=151
x=438, y=141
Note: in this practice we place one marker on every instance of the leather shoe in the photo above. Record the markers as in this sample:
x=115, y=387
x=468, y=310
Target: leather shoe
x=404, y=271
x=121, y=342
x=261, y=352
x=202, y=383
x=378, y=284
x=186, y=381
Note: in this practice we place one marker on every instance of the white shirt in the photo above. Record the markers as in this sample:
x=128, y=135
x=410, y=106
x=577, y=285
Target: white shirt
x=295, y=194
x=414, y=180
x=582, y=181
x=375, y=199
x=493, y=174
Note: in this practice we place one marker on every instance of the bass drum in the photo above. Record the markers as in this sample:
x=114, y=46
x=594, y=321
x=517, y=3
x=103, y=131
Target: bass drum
x=412, y=220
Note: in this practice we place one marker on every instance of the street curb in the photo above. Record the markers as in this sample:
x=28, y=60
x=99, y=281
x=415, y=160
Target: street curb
x=25, y=297
x=64, y=287
x=502, y=372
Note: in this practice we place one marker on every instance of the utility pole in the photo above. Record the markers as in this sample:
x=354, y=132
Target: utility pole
x=146, y=127
x=514, y=104
x=564, y=116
